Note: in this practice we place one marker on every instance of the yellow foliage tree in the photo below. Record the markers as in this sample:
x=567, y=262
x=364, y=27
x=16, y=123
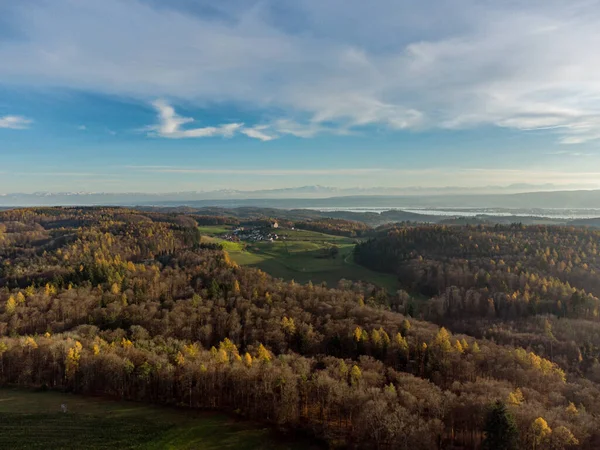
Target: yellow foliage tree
x=376, y=338
x=364, y=336
x=458, y=347
x=288, y=325
x=355, y=375
x=236, y=287
x=11, y=305
x=385, y=338
x=516, y=398
x=229, y=348
x=572, y=409
x=464, y=344
x=343, y=368
x=540, y=432
x=29, y=342
x=30, y=291
x=49, y=290
x=72, y=360
x=192, y=349
x=442, y=340
x=405, y=327
x=222, y=356
x=264, y=354
x=115, y=289
x=401, y=342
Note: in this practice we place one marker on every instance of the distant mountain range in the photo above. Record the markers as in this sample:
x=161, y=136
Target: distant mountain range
x=326, y=197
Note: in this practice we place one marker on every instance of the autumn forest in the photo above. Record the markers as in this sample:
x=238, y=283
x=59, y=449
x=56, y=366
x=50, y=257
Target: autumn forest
x=492, y=339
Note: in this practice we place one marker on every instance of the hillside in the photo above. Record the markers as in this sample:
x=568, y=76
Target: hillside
x=134, y=305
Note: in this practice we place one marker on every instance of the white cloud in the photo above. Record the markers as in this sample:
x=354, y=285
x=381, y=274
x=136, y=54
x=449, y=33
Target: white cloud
x=258, y=132
x=170, y=125
x=15, y=122
x=335, y=67
x=361, y=110
x=82, y=128
x=303, y=130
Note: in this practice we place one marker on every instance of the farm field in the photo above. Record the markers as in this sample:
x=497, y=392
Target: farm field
x=213, y=230
x=33, y=420
x=298, y=257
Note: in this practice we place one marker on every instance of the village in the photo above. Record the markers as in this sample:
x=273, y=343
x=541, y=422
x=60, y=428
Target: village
x=254, y=234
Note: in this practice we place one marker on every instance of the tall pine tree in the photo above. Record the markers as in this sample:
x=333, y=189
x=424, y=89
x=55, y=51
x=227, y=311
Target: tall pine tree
x=500, y=429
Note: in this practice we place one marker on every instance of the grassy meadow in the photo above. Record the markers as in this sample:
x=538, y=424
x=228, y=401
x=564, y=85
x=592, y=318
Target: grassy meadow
x=298, y=257
x=33, y=420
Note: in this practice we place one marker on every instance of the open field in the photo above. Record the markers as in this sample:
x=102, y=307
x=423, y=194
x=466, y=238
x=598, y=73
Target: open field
x=214, y=230
x=33, y=420
x=298, y=257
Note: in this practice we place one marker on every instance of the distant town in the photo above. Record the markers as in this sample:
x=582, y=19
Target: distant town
x=254, y=234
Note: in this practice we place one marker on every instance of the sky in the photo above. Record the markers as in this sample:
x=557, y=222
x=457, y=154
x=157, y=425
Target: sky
x=155, y=96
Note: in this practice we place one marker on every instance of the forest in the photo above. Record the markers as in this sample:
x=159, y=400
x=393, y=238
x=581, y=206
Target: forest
x=499, y=350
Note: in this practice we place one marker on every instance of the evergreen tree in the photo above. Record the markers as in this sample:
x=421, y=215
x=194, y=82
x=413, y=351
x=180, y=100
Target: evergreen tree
x=500, y=429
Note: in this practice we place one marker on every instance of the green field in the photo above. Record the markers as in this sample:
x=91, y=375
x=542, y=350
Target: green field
x=214, y=230
x=33, y=420
x=298, y=257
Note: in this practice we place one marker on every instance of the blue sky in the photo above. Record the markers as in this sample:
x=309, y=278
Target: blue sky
x=153, y=96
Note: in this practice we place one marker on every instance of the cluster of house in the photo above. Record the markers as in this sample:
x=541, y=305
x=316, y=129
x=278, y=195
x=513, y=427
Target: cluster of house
x=253, y=234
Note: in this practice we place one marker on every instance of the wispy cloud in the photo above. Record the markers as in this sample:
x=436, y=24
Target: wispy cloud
x=170, y=125
x=306, y=129
x=436, y=64
x=568, y=153
x=259, y=132
x=15, y=122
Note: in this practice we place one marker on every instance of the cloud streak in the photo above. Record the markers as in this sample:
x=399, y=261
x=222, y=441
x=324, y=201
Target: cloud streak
x=259, y=132
x=170, y=125
x=15, y=122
